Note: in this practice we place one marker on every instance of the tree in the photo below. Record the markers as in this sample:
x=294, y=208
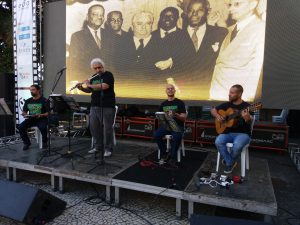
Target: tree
x=6, y=37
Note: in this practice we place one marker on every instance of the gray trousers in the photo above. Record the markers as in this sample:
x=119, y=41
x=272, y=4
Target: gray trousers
x=95, y=124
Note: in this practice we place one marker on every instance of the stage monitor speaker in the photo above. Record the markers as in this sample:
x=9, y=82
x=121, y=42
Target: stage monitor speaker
x=28, y=204
x=214, y=220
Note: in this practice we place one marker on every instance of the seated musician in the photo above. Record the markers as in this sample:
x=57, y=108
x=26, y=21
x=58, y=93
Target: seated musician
x=35, y=114
x=175, y=108
x=239, y=134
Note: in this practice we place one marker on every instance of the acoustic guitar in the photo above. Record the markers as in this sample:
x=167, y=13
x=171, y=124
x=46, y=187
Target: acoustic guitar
x=231, y=117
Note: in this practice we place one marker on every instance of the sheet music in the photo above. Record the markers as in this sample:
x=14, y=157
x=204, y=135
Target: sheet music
x=4, y=108
x=167, y=122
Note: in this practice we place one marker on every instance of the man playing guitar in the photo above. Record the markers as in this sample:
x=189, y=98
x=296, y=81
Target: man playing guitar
x=239, y=133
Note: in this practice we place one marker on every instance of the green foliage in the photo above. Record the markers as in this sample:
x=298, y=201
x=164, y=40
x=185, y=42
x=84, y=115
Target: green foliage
x=6, y=37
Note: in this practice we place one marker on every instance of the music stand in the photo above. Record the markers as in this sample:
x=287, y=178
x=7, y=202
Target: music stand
x=167, y=122
x=65, y=105
x=62, y=105
x=4, y=110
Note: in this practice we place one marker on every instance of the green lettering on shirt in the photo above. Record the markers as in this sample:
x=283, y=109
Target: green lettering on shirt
x=34, y=108
x=96, y=82
x=168, y=108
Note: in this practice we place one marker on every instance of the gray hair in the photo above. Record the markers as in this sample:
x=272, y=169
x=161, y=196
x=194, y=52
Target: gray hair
x=97, y=61
x=141, y=14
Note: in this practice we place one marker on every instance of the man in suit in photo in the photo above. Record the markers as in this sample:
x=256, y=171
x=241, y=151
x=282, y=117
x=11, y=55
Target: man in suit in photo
x=241, y=55
x=114, y=22
x=206, y=41
x=139, y=51
x=168, y=35
x=113, y=28
x=89, y=43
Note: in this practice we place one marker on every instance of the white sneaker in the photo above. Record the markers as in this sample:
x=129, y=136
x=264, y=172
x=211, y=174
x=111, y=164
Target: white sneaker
x=107, y=153
x=94, y=150
x=161, y=162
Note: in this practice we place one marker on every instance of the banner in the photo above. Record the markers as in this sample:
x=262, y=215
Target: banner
x=24, y=29
x=24, y=42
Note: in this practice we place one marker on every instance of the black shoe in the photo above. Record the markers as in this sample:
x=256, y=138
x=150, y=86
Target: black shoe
x=166, y=157
x=223, y=162
x=229, y=169
x=44, y=145
x=173, y=163
x=26, y=147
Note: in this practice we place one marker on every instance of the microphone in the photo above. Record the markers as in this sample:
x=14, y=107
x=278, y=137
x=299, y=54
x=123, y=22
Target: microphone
x=62, y=70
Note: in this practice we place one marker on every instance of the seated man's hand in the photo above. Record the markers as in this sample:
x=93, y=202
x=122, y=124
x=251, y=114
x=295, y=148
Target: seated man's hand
x=246, y=115
x=170, y=113
x=219, y=117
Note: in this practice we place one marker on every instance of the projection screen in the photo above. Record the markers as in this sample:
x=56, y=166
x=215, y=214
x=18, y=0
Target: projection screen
x=146, y=44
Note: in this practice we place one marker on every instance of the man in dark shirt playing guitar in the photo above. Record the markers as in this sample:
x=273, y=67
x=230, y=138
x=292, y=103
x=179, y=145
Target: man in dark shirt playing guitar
x=239, y=132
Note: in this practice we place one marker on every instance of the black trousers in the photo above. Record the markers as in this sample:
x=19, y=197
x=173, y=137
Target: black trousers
x=41, y=123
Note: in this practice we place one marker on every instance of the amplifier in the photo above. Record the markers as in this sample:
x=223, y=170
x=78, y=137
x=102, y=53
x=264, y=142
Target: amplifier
x=139, y=127
x=190, y=131
x=264, y=135
x=205, y=132
x=270, y=136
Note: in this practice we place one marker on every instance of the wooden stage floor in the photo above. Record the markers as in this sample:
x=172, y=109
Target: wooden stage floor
x=256, y=194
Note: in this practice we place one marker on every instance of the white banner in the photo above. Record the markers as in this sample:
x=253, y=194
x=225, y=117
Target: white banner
x=24, y=28
x=24, y=33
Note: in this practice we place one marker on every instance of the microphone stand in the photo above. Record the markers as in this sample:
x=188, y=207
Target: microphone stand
x=102, y=161
x=69, y=154
x=48, y=153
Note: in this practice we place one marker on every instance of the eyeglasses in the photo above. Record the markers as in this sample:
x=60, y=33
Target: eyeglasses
x=116, y=21
x=98, y=68
x=235, y=4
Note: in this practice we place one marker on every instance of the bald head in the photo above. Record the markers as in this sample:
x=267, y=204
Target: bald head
x=170, y=90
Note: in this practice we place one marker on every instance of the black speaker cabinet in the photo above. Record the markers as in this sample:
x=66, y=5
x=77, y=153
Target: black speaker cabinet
x=28, y=204
x=215, y=220
x=7, y=91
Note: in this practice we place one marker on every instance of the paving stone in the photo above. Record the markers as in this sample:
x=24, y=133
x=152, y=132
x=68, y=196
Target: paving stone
x=79, y=212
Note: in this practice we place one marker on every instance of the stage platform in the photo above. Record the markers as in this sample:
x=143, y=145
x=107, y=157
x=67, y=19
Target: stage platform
x=123, y=170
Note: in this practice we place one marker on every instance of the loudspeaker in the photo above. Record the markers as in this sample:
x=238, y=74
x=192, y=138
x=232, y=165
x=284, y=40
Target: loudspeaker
x=215, y=220
x=7, y=91
x=28, y=204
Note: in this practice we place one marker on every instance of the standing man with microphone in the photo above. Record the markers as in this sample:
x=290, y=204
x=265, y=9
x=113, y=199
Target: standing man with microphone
x=102, y=107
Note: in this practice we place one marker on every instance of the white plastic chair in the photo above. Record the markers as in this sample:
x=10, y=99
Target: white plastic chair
x=181, y=148
x=244, y=154
x=115, y=140
x=83, y=119
x=282, y=117
x=38, y=136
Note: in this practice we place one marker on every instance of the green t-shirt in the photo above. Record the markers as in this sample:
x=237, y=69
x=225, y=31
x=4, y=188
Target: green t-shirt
x=35, y=106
